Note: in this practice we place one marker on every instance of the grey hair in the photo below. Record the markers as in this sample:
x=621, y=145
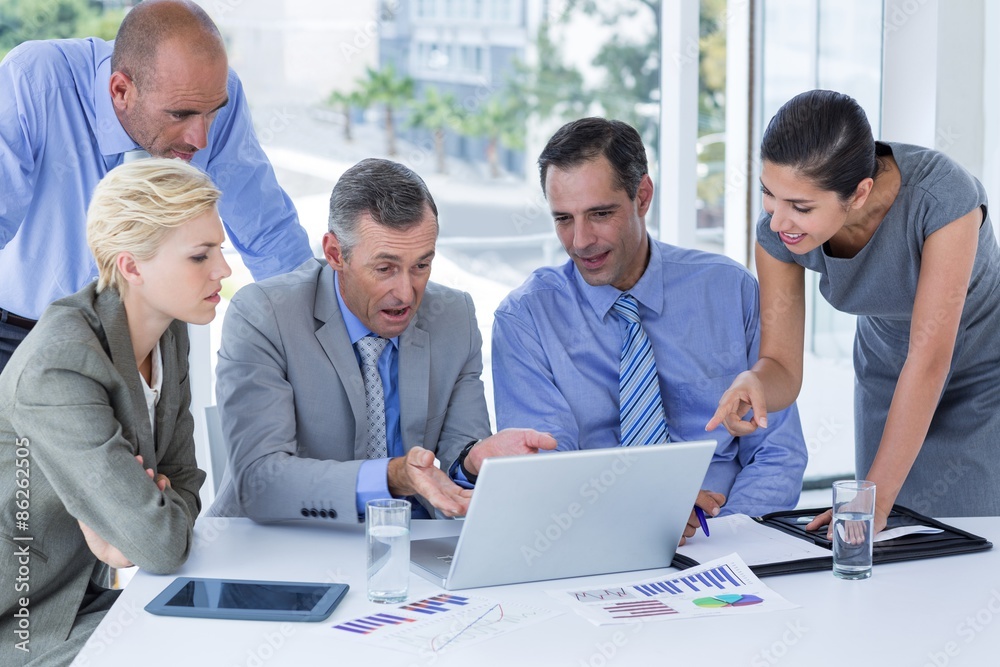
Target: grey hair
x=392, y=194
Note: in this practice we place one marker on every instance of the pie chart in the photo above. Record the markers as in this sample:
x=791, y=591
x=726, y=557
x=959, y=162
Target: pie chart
x=720, y=601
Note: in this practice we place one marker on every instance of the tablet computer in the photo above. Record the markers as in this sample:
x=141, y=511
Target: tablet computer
x=247, y=600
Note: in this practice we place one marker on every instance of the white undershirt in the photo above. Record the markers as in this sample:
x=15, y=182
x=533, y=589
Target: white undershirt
x=153, y=393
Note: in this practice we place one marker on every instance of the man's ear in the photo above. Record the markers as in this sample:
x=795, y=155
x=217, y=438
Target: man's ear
x=128, y=268
x=333, y=252
x=644, y=195
x=122, y=90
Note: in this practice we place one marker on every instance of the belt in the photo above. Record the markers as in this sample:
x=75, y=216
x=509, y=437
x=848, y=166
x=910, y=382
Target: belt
x=16, y=320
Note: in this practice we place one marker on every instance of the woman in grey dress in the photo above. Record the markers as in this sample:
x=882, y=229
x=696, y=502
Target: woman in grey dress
x=901, y=238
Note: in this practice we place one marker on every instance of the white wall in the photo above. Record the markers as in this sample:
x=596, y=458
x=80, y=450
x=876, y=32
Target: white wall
x=942, y=82
x=297, y=50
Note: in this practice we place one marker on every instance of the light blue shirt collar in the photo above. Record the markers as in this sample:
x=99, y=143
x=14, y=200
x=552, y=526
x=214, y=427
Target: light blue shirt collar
x=648, y=290
x=356, y=330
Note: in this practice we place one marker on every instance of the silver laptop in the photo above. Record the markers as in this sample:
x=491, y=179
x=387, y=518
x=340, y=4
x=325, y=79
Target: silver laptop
x=569, y=514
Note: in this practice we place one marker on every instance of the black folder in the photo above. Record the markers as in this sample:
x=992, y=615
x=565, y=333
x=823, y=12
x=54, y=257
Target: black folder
x=951, y=541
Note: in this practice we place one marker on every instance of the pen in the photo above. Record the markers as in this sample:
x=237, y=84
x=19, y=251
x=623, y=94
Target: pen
x=701, y=519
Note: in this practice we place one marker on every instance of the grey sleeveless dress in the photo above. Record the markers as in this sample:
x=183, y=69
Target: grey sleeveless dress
x=957, y=472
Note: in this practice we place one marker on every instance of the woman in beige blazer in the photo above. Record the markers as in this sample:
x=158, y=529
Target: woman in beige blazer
x=97, y=465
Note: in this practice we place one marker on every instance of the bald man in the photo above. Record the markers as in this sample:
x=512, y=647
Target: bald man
x=71, y=110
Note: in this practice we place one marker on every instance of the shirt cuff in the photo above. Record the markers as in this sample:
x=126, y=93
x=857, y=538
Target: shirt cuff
x=373, y=483
x=458, y=476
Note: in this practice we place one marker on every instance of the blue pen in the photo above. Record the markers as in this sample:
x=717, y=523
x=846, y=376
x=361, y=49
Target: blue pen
x=701, y=519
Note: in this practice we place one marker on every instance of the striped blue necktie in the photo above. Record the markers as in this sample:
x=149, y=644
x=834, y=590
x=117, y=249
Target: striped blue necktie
x=643, y=421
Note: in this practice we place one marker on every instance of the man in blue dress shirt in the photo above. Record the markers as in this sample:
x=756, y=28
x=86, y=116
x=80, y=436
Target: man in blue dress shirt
x=69, y=112
x=558, y=339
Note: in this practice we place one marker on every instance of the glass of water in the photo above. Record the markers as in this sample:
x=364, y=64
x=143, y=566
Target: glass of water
x=853, y=521
x=387, y=532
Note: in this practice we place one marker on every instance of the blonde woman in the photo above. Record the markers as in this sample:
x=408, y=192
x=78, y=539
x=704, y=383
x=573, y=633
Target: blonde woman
x=97, y=463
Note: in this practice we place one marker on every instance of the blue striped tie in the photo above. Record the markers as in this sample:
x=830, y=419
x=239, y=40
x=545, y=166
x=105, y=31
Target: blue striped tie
x=641, y=409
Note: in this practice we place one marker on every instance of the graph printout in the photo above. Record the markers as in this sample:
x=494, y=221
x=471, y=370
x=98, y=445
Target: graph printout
x=440, y=623
x=722, y=586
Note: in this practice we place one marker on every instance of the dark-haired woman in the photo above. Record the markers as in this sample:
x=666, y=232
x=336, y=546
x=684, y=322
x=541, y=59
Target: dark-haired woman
x=900, y=237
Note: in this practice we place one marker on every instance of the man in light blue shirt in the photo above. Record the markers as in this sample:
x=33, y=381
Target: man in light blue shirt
x=558, y=339
x=69, y=112
x=342, y=381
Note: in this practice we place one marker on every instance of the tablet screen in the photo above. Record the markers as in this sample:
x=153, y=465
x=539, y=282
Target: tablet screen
x=247, y=595
x=242, y=599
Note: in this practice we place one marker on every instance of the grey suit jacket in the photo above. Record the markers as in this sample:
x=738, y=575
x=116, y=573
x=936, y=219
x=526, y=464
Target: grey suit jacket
x=292, y=400
x=72, y=419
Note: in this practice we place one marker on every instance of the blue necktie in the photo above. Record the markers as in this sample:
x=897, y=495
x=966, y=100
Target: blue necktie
x=643, y=421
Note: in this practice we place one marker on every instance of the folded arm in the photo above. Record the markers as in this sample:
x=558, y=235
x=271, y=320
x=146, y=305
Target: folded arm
x=62, y=407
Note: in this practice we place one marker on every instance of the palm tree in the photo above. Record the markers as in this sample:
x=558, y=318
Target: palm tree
x=436, y=113
x=501, y=120
x=385, y=87
x=347, y=102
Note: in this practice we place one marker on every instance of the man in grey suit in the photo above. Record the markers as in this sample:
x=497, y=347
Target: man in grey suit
x=339, y=382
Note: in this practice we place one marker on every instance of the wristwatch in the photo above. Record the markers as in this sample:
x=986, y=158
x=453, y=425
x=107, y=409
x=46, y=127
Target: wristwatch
x=461, y=461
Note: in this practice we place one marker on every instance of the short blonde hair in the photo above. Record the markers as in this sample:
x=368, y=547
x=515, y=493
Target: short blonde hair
x=136, y=205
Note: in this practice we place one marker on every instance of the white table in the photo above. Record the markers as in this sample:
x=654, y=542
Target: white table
x=929, y=613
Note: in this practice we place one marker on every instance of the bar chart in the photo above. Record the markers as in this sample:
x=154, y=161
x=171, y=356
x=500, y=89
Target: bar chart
x=719, y=578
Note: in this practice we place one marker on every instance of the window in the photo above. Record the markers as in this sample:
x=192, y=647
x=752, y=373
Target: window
x=513, y=73
x=503, y=10
x=425, y=9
